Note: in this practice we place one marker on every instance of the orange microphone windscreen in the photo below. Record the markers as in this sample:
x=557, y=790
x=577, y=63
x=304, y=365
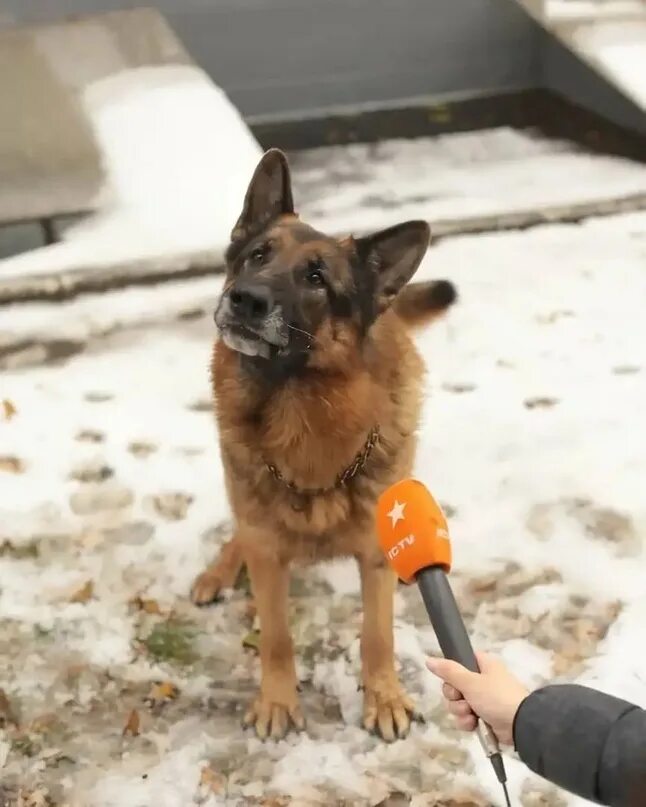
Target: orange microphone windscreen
x=413, y=532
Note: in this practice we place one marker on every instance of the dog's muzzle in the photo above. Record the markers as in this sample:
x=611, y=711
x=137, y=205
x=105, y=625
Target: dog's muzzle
x=250, y=321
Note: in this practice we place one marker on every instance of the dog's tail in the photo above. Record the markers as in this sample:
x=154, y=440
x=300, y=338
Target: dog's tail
x=420, y=303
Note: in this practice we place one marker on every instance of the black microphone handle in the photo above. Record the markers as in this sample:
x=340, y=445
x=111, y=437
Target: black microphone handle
x=456, y=645
x=445, y=617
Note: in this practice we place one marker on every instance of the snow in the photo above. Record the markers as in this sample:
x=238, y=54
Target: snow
x=570, y=10
x=548, y=531
x=452, y=177
x=178, y=158
x=618, y=50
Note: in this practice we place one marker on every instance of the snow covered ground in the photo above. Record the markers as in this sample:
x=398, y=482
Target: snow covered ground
x=125, y=695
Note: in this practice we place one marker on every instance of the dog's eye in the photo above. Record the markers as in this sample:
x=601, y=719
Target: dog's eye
x=259, y=254
x=314, y=274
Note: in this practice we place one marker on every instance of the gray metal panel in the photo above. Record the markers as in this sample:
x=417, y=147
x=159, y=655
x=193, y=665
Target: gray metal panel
x=279, y=56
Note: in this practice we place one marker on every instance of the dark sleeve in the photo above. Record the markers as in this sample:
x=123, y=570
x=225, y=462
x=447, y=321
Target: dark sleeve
x=589, y=743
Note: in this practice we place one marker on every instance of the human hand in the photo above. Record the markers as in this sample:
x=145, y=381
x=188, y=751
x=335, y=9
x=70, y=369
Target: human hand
x=493, y=694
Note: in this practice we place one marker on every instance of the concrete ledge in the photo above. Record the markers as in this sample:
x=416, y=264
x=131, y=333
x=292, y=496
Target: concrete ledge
x=50, y=162
x=67, y=285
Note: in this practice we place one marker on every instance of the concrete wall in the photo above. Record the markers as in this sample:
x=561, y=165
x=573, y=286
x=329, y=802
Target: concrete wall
x=279, y=56
x=274, y=57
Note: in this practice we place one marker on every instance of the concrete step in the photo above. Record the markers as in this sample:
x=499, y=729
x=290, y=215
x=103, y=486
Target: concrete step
x=50, y=161
x=608, y=35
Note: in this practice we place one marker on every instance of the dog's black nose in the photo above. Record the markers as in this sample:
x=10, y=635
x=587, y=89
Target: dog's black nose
x=251, y=303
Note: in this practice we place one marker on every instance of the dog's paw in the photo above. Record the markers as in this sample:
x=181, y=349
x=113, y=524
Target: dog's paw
x=274, y=720
x=206, y=587
x=388, y=711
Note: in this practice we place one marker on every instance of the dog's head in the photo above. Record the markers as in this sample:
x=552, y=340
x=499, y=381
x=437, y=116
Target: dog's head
x=295, y=297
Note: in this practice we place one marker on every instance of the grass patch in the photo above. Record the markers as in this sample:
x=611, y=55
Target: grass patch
x=171, y=641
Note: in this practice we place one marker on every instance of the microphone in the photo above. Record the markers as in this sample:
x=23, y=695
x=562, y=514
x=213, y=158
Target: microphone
x=414, y=536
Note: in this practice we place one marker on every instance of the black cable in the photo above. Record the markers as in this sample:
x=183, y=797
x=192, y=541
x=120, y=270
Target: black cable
x=501, y=775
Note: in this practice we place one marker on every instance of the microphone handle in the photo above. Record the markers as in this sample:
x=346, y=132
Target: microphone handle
x=454, y=642
x=445, y=617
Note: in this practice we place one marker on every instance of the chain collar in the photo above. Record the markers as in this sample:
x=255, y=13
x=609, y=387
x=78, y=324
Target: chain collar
x=355, y=468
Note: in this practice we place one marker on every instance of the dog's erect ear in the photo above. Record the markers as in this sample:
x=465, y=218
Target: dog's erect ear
x=269, y=195
x=394, y=255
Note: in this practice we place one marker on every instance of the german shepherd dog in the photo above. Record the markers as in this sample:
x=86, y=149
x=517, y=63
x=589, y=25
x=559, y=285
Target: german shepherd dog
x=318, y=389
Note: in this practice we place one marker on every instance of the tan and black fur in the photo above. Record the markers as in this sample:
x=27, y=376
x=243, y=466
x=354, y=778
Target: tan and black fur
x=314, y=353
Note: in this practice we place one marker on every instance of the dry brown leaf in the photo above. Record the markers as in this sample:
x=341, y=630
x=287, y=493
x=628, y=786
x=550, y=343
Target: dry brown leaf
x=44, y=724
x=148, y=606
x=8, y=409
x=7, y=716
x=212, y=781
x=84, y=594
x=252, y=640
x=162, y=692
x=11, y=464
x=33, y=798
x=131, y=729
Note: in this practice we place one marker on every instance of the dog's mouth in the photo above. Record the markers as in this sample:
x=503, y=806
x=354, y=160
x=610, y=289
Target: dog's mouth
x=244, y=340
x=269, y=337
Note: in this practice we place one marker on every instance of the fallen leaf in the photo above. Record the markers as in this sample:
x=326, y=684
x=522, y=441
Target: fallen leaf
x=11, y=464
x=84, y=594
x=148, y=606
x=44, y=724
x=131, y=729
x=162, y=692
x=212, y=781
x=252, y=640
x=33, y=798
x=7, y=716
x=8, y=409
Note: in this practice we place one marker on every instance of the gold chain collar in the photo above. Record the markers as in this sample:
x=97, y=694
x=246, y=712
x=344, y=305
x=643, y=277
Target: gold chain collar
x=355, y=468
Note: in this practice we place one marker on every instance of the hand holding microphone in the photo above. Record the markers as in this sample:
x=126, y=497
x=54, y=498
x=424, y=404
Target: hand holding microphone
x=414, y=536
x=493, y=693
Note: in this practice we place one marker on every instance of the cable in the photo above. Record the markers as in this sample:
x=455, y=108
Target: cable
x=499, y=767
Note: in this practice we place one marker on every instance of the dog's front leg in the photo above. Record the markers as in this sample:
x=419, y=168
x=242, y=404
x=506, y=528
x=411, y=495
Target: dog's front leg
x=387, y=708
x=277, y=708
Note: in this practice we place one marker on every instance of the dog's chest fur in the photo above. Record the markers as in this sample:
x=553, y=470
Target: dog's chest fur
x=311, y=428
